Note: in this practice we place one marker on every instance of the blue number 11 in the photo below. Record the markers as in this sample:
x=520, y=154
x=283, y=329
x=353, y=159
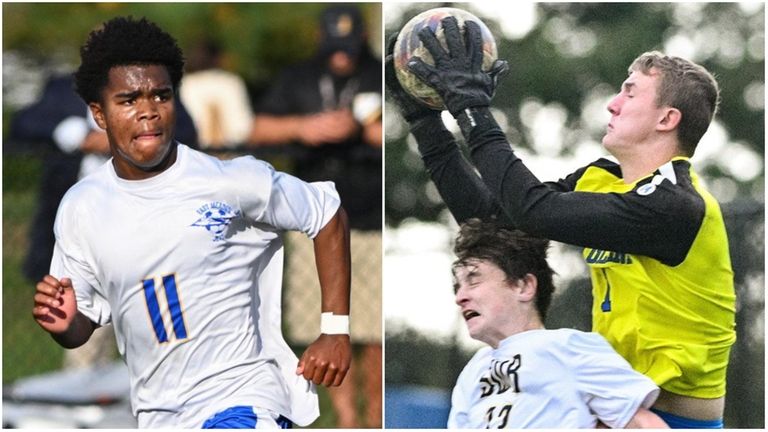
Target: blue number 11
x=174, y=306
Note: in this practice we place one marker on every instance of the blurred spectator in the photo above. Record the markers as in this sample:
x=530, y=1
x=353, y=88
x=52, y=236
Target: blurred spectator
x=331, y=105
x=60, y=120
x=74, y=147
x=216, y=99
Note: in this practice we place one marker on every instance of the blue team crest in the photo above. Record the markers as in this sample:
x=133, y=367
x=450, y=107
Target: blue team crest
x=215, y=217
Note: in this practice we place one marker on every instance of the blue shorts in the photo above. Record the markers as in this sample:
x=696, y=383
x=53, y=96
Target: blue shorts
x=241, y=417
x=677, y=422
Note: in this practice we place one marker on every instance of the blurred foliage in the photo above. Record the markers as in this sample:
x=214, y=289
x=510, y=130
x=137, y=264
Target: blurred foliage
x=259, y=39
x=577, y=51
x=415, y=359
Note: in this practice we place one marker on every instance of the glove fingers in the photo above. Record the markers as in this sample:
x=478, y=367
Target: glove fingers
x=453, y=38
x=433, y=46
x=474, y=37
x=410, y=108
x=499, y=69
x=422, y=70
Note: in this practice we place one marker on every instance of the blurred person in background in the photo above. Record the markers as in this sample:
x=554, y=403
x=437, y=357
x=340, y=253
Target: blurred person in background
x=331, y=105
x=216, y=98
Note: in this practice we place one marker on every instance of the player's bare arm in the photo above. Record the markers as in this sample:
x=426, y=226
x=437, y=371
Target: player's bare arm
x=645, y=419
x=56, y=312
x=310, y=129
x=372, y=134
x=326, y=361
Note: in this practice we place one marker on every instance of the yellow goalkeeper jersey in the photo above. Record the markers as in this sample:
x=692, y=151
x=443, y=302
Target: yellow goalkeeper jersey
x=657, y=248
x=673, y=321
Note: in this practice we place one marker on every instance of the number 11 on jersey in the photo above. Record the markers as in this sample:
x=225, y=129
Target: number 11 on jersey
x=174, y=306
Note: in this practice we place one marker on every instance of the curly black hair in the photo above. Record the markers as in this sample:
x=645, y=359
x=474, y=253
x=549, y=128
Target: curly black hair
x=513, y=251
x=124, y=41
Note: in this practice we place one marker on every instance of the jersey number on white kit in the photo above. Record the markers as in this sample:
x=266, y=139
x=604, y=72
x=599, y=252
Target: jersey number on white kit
x=502, y=415
x=174, y=307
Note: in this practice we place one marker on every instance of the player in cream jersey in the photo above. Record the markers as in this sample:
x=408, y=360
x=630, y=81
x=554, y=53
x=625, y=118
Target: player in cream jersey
x=528, y=376
x=185, y=261
x=182, y=253
x=549, y=379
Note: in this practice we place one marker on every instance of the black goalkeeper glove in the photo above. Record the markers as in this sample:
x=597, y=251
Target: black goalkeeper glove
x=410, y=108
x=457, y=75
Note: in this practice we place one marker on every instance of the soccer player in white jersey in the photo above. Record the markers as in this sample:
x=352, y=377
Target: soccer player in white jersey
x=182, y=252
x=530, y=377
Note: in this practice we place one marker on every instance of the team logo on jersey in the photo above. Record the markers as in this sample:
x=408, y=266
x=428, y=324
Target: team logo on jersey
x=646, y=189
x=215, y=217
x=502, y=376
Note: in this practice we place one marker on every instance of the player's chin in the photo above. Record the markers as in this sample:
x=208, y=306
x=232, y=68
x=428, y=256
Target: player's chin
x=474, y=326
x=149, y=157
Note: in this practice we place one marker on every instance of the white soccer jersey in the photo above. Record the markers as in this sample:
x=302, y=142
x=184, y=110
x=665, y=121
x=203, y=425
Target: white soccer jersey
x=188, y=267
x=549, y=379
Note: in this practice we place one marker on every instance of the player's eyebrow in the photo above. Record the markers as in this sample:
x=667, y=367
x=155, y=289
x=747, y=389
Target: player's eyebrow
x=128, y=95
x=136, y=93
x=627, y=85
x=471, y=274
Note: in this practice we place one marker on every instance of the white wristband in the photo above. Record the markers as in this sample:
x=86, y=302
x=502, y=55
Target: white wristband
x=334, y=324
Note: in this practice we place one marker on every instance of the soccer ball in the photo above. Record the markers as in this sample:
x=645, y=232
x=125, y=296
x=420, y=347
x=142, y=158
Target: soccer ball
x=409, y=45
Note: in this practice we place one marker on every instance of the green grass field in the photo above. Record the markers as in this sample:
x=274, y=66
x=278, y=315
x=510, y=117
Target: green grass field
x=27, y=349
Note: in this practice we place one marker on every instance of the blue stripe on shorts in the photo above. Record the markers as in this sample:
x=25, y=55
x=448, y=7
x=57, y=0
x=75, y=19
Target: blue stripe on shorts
x=678, y=422
x=240, y=417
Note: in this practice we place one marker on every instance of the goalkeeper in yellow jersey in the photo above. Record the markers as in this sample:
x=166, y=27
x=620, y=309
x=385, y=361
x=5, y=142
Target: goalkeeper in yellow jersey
x=653, y=237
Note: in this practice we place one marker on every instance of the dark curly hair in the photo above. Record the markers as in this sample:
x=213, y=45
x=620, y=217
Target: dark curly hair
x=124, y=41
x=513, y=251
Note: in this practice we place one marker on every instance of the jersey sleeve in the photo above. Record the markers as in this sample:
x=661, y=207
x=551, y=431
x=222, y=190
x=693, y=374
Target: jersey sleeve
x=70, y=261
x=282, y=200
x=461, y=405
x=299, y=206
x=612, y=389
x=661, y=225
x=459, y=185
x=458, y=416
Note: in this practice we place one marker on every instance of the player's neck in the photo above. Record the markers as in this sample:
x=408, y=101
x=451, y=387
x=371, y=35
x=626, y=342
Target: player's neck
x=641, y=161
x=531, y=323
x=128, y=171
